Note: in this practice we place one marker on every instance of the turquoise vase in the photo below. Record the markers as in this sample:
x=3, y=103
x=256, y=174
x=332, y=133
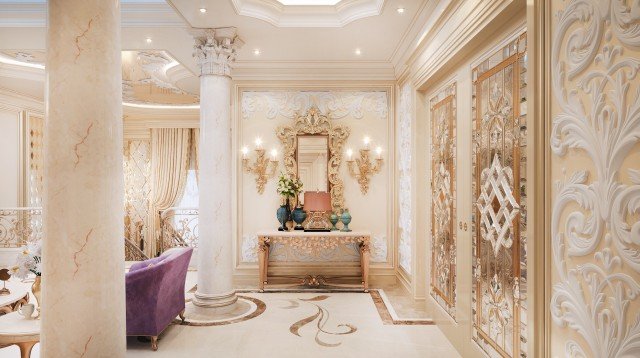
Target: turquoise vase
x=283, y=214
x=334, y=220
x=299, y=216
x=346, y=219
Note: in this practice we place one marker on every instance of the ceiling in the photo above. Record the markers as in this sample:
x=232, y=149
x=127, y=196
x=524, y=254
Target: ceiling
x=363, y=47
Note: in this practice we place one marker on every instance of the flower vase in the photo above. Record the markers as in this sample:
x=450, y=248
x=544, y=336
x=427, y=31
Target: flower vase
x=35, y=289
x=346, y=219
x=283, y=214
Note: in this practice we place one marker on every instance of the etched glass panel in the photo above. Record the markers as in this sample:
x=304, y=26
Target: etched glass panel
x=443, y=194
x=499, y=206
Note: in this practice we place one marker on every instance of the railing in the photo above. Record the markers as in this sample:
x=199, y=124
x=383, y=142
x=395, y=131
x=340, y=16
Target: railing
x=178, y=227
x=19, y=226
x=132, y=252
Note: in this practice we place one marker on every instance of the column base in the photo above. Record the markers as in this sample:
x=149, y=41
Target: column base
x=219, y=301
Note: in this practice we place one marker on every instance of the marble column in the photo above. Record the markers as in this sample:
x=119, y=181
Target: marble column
x=83, y=296
x=215, y=51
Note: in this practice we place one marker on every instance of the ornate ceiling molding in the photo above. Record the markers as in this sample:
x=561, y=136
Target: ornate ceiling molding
x=216, y=49
x=339, y=15
x=338, y=103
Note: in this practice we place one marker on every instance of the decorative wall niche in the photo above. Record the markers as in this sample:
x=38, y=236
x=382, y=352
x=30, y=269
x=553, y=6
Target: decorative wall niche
x=499, y=194
x=443, y=197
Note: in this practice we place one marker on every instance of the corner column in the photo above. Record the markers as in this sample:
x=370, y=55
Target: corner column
x=83, y=294
x=215, y=51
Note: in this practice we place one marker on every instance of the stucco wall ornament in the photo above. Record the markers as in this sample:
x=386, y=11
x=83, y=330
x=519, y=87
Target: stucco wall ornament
x=340, y=104
x=595, y=212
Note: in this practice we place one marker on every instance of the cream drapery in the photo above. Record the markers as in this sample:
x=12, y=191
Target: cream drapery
x=170, y=152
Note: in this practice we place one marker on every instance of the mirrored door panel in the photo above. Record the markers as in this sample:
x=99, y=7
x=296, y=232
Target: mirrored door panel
x=499, y=201
x=443, y=197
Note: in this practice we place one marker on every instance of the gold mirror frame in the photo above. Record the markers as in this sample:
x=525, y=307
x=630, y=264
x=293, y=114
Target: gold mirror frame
x=313, y=122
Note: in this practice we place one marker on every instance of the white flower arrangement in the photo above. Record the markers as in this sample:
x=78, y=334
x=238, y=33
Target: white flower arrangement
x=29, y=260
x=289, y=187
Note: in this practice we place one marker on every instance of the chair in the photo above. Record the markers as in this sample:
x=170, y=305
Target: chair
x=155, y=293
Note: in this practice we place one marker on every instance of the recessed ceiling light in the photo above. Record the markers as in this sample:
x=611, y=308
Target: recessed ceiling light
x=149, y=40
x=203, y=10
x=400, y=10
x=256, y=52
x=358, y=52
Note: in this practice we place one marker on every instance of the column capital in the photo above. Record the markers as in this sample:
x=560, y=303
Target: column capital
x=215, y=50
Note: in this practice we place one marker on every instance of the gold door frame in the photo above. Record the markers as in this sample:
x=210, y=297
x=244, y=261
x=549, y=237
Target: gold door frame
x=503, y=299
x=443, y=119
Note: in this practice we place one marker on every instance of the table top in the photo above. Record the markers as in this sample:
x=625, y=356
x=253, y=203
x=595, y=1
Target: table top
x=18, y=291
x=300, y=233
x=14, y=328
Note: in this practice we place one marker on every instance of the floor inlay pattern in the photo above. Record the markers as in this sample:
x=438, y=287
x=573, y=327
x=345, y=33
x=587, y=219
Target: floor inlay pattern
x=322, y=316
x=258, y=307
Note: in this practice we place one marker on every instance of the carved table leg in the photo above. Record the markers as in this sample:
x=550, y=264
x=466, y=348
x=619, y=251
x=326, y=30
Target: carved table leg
x=25, y=348
x=263, y=261
x=364, y=262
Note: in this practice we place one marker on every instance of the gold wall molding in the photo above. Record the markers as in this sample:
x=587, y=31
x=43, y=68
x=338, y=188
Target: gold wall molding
x=314, y=122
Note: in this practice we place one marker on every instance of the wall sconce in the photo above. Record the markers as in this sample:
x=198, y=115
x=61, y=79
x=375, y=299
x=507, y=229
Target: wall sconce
x=361, y=168
x=262, y=168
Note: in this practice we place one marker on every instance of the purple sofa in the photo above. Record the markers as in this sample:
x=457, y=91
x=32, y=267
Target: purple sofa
x=155, y=293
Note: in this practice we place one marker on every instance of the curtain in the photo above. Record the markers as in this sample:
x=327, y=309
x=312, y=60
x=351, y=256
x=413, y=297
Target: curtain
x=195, y=140
x=170, y=151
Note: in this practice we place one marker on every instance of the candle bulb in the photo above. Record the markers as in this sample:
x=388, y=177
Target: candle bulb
x=349, y=153
x=245, y=150
x=274, y=154
x=367, y=140
x=379, y=151
x=258, y=142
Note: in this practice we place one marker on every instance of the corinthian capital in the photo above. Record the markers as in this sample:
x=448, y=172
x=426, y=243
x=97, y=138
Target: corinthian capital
x=215, y=50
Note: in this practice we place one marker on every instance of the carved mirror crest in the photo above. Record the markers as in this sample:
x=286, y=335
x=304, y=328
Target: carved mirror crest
x=314, y=123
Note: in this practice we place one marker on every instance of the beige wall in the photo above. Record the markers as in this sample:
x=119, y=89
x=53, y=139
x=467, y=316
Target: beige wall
x=264, y=109
x=595, y=180
x=10, y=160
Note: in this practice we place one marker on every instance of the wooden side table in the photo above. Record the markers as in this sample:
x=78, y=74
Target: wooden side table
x=314, y=242
x=15, y=329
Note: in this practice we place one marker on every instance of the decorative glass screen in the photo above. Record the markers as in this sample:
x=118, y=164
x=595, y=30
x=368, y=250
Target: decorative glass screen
x=499, y=206
x=443, y=194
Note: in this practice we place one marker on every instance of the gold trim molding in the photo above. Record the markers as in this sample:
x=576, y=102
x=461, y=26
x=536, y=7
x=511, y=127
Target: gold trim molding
x=313, y=122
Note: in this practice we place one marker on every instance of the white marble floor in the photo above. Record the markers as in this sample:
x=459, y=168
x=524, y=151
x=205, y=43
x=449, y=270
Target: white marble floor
x=280, y=331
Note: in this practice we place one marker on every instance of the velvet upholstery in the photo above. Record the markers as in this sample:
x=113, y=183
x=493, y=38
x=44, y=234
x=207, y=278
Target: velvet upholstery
x=155, y=292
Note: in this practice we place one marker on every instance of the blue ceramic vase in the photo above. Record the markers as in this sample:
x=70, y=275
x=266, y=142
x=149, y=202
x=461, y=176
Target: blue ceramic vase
x=334, y=220
x=283, y=214
x=299, y=216
x=346, y=219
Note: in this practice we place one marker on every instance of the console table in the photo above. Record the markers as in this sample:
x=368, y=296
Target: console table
x=315, y=244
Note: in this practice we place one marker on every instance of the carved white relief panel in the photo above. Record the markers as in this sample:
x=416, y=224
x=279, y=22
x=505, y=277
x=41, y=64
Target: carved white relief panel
x=499, y=202
x=404, y=168
x=339, y=104
x=595, y=214
x=443, y=194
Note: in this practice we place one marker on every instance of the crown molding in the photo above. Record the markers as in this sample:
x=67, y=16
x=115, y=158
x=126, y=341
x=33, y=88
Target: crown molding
x=279, y=15
x=138, y=14
x=313, y=70
x=437, y=46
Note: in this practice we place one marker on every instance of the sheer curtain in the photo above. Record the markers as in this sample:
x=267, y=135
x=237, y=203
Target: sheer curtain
x=170, y=152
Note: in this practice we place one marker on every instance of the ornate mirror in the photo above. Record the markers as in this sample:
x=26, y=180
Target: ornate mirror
x=313, y=153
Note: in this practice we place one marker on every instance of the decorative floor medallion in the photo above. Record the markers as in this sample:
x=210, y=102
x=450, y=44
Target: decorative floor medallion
x=321, y=317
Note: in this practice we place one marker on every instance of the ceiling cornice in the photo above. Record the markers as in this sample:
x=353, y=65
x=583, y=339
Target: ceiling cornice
x=34, y=14
x=339, y=15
